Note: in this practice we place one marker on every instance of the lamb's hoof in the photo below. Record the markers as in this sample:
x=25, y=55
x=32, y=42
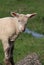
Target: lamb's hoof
x=7, y=62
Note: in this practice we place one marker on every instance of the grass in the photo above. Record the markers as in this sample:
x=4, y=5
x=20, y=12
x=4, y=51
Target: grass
x=25, y=43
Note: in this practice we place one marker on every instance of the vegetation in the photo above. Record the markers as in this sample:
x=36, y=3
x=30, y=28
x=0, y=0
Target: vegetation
x=25, y=43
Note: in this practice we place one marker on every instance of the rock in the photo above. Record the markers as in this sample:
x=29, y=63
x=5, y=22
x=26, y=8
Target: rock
x=31, y=59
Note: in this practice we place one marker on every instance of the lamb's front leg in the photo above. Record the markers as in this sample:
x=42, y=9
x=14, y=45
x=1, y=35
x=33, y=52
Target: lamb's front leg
x=11, y=43
x=14, y=37
x=8, y=50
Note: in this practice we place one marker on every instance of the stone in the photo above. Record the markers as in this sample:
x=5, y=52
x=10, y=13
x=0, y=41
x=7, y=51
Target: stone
x=31, y=59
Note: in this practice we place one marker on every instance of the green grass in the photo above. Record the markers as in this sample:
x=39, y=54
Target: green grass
x=26, y=44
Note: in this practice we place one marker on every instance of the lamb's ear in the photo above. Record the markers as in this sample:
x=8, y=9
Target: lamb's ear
x=14, y=14
x=31, y=15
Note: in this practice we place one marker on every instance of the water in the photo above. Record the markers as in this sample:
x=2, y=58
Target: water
x=35, y=34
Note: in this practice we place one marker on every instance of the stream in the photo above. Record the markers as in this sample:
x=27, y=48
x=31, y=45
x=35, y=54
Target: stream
x=35, y=34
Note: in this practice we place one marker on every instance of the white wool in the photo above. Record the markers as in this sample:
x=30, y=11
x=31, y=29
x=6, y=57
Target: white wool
x=20, y=27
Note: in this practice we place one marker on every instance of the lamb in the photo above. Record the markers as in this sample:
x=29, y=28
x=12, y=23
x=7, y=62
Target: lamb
x=10, y=28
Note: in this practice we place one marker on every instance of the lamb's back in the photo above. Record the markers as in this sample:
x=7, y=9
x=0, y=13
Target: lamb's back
x=7, y=26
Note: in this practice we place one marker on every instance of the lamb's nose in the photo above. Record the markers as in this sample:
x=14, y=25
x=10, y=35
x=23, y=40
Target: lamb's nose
x=23, y=29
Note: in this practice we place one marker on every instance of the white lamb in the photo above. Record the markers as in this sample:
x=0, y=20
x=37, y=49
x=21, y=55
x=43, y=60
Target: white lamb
x=10, y=27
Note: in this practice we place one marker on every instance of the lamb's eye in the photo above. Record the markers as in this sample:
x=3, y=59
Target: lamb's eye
x=18, y=20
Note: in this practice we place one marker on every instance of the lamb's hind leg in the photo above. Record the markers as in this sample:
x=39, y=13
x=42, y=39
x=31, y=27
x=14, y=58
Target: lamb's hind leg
x=8, y=52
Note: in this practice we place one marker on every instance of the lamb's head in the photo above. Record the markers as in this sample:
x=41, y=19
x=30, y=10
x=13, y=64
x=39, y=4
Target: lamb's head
x=22, y=18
